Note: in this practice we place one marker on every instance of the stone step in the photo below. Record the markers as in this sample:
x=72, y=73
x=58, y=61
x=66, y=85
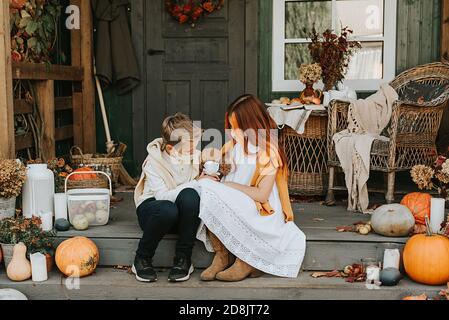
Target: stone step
x=320, y=255
x=111, y=284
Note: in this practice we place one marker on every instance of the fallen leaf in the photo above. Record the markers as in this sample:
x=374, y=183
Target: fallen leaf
x=345, y=229
x=332, y=274
x=318, y=220
x=422, y=297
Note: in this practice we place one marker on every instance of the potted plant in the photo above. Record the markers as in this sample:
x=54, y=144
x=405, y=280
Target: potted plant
x=333, y=53
x=309, y=74
x=28, y=231
x=12, y=178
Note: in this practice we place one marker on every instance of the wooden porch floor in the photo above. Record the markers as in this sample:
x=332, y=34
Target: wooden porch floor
x=327, y=250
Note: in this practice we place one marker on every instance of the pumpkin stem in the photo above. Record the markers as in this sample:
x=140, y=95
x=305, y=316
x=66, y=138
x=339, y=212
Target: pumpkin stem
x=428, y=227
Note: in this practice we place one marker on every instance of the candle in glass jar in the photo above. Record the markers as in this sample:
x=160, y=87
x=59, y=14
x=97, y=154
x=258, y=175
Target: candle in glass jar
x=47, y=221
x=60, y=206
x=39, y=267
x=373, y=274
x=437, y=214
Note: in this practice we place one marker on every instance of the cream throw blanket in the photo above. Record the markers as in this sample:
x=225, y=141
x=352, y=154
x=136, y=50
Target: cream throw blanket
x=367, y=119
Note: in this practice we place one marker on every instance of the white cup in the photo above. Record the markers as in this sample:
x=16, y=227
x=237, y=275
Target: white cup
x=211, y=168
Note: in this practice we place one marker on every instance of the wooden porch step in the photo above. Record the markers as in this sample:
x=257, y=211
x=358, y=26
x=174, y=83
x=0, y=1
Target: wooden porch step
x=110, y=284
x=327, y=249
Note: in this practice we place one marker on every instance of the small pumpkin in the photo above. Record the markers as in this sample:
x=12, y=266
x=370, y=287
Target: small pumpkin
x=419, y=204
x=62, y=225
x=77, y=257
x=393, y=220
x=19, y=269
x=426, y=258
x=422, y=297
x=83, y=176
x=80, y=222
x=12, y=295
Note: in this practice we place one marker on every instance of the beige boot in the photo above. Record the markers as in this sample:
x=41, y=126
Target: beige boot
x=238, y=272
x=222, y=260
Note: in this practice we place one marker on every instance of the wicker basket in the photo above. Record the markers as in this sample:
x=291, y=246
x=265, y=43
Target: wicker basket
x=307, y=154
x=89, y=159
x=100, y=183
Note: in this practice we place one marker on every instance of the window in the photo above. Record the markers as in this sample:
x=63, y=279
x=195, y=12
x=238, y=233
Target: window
x=374, y=25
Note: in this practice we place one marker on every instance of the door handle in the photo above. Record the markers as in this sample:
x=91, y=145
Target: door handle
x=153, y=52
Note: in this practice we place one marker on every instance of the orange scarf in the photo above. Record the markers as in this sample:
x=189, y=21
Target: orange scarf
x=264, y=165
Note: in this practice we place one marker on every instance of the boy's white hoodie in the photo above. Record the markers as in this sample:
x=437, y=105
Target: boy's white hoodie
x=162, y=178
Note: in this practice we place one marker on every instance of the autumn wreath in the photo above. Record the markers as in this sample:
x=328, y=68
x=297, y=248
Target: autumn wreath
x=190, y=11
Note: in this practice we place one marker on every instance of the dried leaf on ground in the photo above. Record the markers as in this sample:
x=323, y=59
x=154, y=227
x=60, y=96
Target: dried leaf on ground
x=318, y=220
x=345, y=229
x=333, y=274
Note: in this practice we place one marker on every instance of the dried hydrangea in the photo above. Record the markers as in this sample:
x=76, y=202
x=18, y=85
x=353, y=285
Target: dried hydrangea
x=422, y=176
x=445, y=168
x=12, y=178
x=442, y=177
x=310, y=73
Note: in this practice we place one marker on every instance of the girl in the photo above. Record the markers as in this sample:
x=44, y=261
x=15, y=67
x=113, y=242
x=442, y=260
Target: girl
x=249, y=214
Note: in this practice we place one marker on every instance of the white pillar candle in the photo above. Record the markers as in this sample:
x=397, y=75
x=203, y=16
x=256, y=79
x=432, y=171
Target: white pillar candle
x=60, y=206
x=437, y=214
x=47, y=221
x=39, y=267
x=373, y=274
x=392, y=259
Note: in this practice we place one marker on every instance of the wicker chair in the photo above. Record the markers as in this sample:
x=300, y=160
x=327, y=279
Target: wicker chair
x=413, y=129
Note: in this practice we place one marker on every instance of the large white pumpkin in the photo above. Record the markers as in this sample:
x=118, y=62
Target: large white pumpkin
x=12, y=295
x=393, y=220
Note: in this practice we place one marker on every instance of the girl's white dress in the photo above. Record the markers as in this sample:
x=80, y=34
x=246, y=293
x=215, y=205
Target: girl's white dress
x=267, y=243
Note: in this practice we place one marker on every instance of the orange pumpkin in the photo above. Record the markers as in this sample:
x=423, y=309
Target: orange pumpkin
x=426, y=259
x=77, y=257
x=419, y=205
x=422, y=297
x=83, y=176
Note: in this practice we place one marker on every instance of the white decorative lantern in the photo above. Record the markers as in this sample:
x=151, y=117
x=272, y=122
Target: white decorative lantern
x=38, y=191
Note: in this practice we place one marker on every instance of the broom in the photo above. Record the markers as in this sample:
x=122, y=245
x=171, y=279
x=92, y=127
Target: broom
x=113, y=150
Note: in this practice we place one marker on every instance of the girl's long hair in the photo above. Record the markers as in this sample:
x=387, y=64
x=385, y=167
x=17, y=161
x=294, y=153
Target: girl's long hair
x=249, y=115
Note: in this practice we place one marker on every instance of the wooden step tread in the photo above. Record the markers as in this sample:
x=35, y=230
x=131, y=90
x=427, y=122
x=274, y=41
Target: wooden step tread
x=120, y=284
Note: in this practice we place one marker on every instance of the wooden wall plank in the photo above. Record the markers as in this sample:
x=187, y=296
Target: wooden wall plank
x=7, y=140
x=63, y=103
x=445, y=30
x=251, y=46
x=89, y=139
x=64, y=133
x=45, y=93
x=77, y=96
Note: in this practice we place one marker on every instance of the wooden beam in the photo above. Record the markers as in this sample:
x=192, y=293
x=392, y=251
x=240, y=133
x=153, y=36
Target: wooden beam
x=21, y=106
x=32, y=71
x=89, y=130
x=64, y=133
x=24, y=141
x=45, y=98
x=445, y=31
x=63, y=103
x=7, y=140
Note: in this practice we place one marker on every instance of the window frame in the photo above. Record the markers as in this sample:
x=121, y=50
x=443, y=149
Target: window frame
x=279, y=84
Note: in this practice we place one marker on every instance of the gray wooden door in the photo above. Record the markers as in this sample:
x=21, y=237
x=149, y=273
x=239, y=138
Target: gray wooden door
x=198, y=71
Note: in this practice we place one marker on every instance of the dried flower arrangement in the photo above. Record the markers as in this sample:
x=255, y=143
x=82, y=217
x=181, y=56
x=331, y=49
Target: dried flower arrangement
x=12, y=178
x=433, y=178
x=333, y=53
x=310, y=73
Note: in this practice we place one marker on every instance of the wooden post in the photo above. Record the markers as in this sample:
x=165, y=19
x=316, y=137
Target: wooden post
x=445, y=31
x=7, y=139
x=89, y=130
x=77, y=94
x=45, y=98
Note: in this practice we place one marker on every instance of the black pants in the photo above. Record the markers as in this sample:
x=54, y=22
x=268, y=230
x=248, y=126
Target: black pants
x=158, y=218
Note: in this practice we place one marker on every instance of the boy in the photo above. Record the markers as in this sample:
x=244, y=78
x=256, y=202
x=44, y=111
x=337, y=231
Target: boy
x=166, y=198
